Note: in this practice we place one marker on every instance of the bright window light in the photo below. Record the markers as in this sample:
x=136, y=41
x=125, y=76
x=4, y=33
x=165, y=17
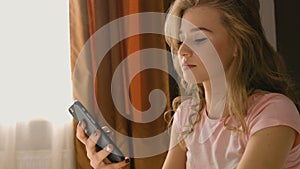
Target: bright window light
x=35, y=61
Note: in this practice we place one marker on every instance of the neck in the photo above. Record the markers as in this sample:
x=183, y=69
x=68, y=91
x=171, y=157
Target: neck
x=215, y=100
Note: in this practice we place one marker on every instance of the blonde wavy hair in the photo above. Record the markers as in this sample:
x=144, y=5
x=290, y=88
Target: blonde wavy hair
x=257, y=65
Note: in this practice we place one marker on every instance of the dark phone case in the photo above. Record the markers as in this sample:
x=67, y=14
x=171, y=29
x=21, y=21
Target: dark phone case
x=79, y=112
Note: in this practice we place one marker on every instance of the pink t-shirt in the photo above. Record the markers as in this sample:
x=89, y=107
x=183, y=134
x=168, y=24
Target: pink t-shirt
x=210, y=146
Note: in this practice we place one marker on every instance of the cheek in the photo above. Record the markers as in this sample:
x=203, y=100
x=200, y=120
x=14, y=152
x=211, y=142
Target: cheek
x=225, y=52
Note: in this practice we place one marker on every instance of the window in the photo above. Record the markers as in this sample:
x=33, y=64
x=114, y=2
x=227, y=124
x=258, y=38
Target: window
x=34, y=66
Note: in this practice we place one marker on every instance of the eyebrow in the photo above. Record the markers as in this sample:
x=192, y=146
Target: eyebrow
x=197, y=29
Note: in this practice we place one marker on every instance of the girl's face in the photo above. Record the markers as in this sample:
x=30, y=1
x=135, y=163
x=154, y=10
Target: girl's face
x=204, y=44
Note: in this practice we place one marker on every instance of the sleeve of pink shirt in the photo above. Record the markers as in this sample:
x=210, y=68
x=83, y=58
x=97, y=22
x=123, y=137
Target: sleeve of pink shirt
x=176, y=121
x=180, y=117
x=274, y=110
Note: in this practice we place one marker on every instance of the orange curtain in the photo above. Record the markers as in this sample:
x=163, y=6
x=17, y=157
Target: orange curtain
x=86, y=18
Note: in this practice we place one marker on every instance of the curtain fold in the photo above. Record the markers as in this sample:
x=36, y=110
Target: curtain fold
x=92, y=84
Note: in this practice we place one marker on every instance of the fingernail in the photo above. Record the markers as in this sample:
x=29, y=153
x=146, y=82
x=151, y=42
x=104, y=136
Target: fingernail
x=108, y=148
x=95, y=133
x=106, y=129
x=127, y=160
x=81, y=123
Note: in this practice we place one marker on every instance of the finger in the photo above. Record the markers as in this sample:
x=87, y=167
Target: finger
x=80, y=133
x=91, y=144
x=118, y=165
x=106, y=161
x=100, y=156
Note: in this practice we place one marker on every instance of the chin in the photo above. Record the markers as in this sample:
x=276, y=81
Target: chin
x=190, y=78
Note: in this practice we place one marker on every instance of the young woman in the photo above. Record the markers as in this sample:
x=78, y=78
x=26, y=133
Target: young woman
x=259, y=127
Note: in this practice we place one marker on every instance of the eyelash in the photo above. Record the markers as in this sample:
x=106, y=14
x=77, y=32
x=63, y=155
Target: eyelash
x=200, y=40
x=196, y=40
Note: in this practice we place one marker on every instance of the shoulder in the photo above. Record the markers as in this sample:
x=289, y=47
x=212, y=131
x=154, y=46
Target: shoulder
x=187, y=106
x=262, y=101
x=184, y=111
x=260, y=98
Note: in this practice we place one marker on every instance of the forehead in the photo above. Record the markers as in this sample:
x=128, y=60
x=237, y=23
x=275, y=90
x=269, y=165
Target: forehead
x=200, y=16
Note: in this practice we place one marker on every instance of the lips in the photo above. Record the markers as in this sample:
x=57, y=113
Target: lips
x=187, y=66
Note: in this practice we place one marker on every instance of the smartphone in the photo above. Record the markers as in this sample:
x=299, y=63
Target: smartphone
x=80, y=113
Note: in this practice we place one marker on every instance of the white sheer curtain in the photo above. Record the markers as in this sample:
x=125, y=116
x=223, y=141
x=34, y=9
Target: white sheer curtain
x=36, y=144
x=35, y=88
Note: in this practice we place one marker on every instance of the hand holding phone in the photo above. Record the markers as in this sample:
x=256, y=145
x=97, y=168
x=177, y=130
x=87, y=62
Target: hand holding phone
x=79, y=112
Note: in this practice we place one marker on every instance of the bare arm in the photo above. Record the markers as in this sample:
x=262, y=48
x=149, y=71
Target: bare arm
x=176, y=158
x=268, y=148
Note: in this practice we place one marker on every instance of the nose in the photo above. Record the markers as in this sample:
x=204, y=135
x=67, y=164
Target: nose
x=184, y=51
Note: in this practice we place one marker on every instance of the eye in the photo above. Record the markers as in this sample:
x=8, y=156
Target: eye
x=180, y=39
x=200, y=40
x=179, y=42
